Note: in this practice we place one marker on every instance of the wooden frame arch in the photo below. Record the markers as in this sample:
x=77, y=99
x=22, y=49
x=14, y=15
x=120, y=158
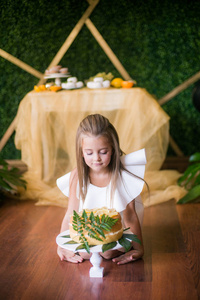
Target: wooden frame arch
x=108, y=51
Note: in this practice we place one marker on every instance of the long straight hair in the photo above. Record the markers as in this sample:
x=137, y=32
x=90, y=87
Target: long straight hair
x=97, y=125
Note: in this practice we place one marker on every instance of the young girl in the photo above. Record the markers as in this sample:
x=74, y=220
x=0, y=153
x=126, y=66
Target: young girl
x=104, y=177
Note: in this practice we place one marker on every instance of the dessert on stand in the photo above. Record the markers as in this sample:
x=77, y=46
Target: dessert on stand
x=95, y=231
x=57, y=72
x=96, y=270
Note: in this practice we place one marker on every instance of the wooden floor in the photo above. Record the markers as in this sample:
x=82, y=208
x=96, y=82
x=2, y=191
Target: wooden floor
x=30, y=268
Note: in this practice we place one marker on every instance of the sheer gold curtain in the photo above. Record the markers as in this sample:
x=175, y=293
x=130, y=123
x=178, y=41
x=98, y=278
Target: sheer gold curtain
x=46, y=129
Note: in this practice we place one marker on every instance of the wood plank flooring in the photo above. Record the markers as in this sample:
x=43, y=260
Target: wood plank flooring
x=30, y=268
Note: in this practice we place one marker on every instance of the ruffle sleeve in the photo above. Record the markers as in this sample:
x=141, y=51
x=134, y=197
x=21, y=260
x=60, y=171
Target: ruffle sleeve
x=63, y=184
x=129, y=186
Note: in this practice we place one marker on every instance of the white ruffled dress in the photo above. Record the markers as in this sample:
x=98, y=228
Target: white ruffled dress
x=128, y=188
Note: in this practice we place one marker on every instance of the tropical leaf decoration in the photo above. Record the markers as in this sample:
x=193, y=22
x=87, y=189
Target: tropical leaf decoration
x=191, y=180
x=124, y=241
x=94, y=227
x=10, y=178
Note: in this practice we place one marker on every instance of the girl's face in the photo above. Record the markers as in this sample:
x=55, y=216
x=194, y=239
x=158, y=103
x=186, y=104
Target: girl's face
x=97, y=152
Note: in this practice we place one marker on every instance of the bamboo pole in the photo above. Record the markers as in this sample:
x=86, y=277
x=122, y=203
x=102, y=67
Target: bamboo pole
x=71, y=36
x=20, y=64
x=179, y=89
x=107, y=49
x=175, y=147
x=171, y=95
x=55, y=61
x=7, y=134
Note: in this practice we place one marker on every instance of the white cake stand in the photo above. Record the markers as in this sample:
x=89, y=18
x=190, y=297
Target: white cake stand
x=57, y=77
x=96, y=270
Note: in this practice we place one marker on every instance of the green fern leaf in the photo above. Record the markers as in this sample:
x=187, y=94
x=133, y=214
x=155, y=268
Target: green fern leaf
x=100, y=231
x=70, y=243
x=108, y=246
x=98, y=220
x=103, y=218
x=125, y=243
x=92, y=218
x=132, y=237
x=106, y=227
x=95, y=226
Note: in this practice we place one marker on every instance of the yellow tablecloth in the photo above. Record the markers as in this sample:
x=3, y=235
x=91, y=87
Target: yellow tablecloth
x=47, y=124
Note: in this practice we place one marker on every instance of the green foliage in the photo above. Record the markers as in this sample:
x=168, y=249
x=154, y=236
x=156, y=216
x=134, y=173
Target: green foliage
x=157, y=43
x=191, y=180
x=108, y=246
x=10, y=178
x=93, y=225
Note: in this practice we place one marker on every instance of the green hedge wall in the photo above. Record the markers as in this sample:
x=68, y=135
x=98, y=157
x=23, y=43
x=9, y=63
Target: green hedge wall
x=158, y=43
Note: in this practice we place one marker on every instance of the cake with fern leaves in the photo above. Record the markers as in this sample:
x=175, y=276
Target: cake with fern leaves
x=96, y=226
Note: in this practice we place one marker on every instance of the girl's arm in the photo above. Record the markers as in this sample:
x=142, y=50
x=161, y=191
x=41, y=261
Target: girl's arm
x=131, y=220
x=73, y=204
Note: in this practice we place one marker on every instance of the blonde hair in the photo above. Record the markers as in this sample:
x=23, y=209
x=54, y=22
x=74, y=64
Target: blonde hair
x=97, y=125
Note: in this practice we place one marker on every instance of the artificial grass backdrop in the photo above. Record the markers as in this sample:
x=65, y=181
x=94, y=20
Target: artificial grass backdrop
x=157, y=42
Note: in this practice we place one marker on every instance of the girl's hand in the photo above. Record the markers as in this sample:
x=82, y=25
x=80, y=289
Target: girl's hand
x=68, y=255
x=129, y=256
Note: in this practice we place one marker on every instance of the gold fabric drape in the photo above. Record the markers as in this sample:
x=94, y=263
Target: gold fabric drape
x=46, y=129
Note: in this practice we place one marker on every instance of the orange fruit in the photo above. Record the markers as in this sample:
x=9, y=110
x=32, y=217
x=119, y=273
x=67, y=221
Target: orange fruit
x=40, y=88
x=36, y=88
x=55, y=88
x=116, y=82
x=127, y=84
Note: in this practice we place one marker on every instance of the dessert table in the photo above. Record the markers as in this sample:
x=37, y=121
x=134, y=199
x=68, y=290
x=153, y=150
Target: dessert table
x=47, y=123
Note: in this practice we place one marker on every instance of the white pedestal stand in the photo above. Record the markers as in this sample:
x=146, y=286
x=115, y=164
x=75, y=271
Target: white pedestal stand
x=96, y=270
x=57, y=77
x=95, y=259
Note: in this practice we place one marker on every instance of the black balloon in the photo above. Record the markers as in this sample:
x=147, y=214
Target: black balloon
x=196, y=96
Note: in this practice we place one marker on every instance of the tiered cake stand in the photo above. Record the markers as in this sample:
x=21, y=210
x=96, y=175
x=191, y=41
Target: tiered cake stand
x=57, y=77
